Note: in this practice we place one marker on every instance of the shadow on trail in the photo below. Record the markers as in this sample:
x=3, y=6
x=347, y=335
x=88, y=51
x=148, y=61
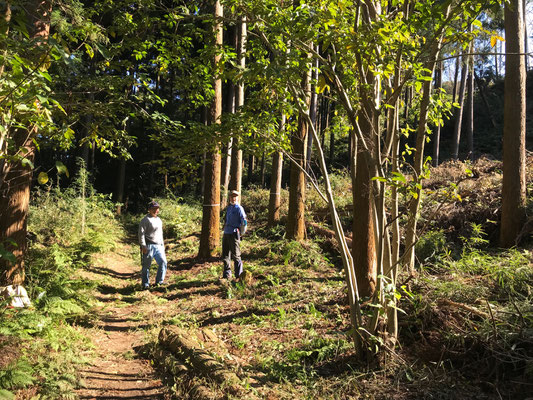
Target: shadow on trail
x=201, y=292
x=188, y=263
x=108, y=376
x=112, y=273
x=124, y=328
x=124, y=291
x=230, y=317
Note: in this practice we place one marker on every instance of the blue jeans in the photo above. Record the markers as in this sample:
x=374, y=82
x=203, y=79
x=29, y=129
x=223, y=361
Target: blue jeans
x=157, y=252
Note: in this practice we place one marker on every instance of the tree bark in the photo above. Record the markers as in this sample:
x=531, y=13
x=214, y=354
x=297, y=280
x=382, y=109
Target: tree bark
x=436, y=132
x=312, y=112
x=227, y=150
x=455, y=77
x=210, y=236
x=364, y=248
x=274, y=202
x=514, y=127
x=470, y=105
x=236, y=156
x=296, y=217
x=459, y=114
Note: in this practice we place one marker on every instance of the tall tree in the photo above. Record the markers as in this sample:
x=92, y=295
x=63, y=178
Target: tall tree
x=296, y=217
x=210, y=236
x=274, y=202
x=436, y=132
x=236, y=156
x=514, y=126
x=460, y=110
x=16, y=175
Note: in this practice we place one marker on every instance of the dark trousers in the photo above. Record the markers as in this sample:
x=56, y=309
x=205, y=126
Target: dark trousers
x=231, y=250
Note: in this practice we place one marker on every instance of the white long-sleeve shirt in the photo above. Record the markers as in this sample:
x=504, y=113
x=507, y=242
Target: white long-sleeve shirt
x=151, y=231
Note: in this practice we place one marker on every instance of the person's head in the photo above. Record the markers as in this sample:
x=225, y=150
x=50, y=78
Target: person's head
x=233, y=197
x=153, y=208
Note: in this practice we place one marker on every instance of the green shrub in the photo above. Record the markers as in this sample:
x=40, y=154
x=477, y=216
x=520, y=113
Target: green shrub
x=431, y=248
x=180, y=218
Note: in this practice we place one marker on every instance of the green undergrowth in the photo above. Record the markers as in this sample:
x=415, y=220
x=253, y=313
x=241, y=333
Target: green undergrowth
x=464, y=321
x=66, y=226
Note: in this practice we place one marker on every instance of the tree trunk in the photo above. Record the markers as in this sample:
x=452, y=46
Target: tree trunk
x=496, y=61
x=414, y=203
x=455, y=77
x=514, y=127
x=210, y=235
x=226, y=159
x=524, y=15
x=436, y=132
x=275, y=183
x=364, y=248
x=484, y=99
x=470, y=113
x=459, y=114
x=119, y=190
x=16, y=179
x=312, y=112
x=296, y=217
x=235, y=182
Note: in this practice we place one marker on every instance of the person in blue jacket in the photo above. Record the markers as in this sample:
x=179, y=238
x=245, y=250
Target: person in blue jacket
x=234, y=227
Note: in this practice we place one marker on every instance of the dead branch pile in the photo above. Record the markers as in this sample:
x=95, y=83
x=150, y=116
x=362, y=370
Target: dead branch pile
x=191, y=353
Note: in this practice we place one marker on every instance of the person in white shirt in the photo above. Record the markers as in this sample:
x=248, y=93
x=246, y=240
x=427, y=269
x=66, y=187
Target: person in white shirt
x=152, y=246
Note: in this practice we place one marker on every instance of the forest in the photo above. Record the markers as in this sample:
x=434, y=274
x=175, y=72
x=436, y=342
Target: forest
x=379, y=148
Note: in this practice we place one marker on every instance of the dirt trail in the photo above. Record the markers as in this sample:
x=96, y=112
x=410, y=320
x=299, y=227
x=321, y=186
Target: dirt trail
x=117, y=371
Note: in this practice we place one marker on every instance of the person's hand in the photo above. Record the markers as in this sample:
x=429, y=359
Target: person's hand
x=144, y=249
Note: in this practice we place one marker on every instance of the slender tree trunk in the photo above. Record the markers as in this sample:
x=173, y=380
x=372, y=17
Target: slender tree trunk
x=459, y=114
x=414, y=203
x=470, y=112
x=496, y=61
x=226, y=159
x=436, y=132
x=455, y=78
x=16, y=180
x=210, y=236
x=236, y=156
x=263, y=165
x=275, y=183
x=514, y=127
x=526, y=51
x=312, y=112
x=484, y=99
x=121, y=179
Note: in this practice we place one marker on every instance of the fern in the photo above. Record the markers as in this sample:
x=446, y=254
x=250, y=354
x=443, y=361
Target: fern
x=17, y=375
x=60, y=307
x=6, y=395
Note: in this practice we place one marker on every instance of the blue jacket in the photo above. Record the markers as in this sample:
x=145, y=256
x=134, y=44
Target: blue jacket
x=235, y=217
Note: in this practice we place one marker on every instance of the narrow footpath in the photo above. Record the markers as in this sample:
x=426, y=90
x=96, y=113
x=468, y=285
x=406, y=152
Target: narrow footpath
x=116, y=370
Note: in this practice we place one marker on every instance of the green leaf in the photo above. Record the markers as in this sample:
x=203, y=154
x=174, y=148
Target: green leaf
x=61, y=168
x=42, y=178
x=27, y=163
x=89, y=50
x=46, y=75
